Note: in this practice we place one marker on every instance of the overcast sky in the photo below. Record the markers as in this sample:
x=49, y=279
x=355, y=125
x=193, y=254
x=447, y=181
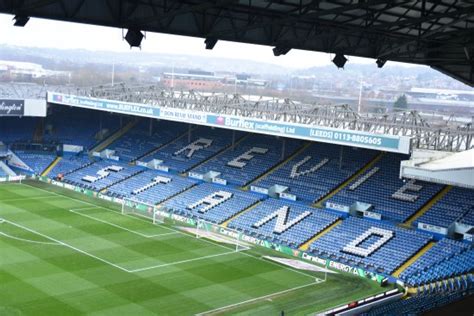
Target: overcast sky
x=46, y=33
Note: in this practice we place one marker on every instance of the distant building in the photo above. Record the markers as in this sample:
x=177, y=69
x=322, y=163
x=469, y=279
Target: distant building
x=441, y=94
x=192, y=80
x=245, y=80
x=27, y=71
x=205, y=80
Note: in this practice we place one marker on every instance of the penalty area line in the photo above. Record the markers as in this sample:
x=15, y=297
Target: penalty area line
x=92, y=205
x=59, y=242
x=67, y=245
x=29, y=240
x=27, y=198
x=183, y=261
x=223, y=308
x=128, y=215
x=77, y=212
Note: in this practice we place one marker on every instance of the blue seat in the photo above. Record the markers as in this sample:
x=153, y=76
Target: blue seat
x=253, y=167
x=311, y=186
x=140, y=140
x=385, y=259
x=154, y=194
x=302, y=230
x=379, y=188
x=238, y=201
x=184, y=161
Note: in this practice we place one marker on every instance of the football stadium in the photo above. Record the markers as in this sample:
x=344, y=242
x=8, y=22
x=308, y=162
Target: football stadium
x=131, y=200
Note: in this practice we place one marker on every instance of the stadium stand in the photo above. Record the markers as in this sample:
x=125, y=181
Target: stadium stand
x=183, y=154
x=38, y=162
x=151, y=187
x=458, y=264
x=69, y=163
x=211, y=202
x=101, y=174
x=311, y=173
x=315, y=172
x=78, y=126
x=375, y=246
x=456, y=205
x=250, y=158
x=425, y=301
x=282, y=221
x=13, y=129
x=139, y=140
x=441, y=251
x=395, y=199
x=468, y=217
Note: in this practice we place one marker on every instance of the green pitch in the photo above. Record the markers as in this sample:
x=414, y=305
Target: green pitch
x=63, y=254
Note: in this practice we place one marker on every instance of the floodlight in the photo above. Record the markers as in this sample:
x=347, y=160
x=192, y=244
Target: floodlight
x=339, y=60
x=280, y=50
x=134, y=37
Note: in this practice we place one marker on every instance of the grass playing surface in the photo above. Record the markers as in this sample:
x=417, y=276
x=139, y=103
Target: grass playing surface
x=62, y=253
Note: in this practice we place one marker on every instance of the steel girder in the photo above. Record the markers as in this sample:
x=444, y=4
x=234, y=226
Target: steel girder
x=426, y=132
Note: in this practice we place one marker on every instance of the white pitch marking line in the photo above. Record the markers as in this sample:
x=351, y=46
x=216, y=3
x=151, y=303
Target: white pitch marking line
x=27, y=198
x=67, y=245
x=258, y=298
x=29, y=240
x=59, y=242
x=183, y=261
x=184, y=234
x=101, y=207
x=131, y=216
x=76, y=211
x=288, y=268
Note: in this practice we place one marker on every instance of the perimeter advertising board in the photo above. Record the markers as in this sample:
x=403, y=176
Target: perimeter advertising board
x=391, y=143
x=23, y=107
x=12, y=107
x=104, y=105
x=314, y=133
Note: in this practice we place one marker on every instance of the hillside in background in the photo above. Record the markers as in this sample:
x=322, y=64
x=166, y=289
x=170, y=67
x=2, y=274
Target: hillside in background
x=95, y=67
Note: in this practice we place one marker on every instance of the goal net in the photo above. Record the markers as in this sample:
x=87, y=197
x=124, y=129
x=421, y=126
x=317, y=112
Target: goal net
x=138, y=208
x=222, y=235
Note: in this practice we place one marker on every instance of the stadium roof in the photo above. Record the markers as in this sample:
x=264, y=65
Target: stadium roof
x=438, y=33
x=441, y=167
x=461, y=160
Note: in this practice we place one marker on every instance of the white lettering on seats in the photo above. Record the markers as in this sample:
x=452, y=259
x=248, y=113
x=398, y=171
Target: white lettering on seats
x=294, y=170
x=364, y=178
x=409, y=186
x=156, y=180
x=211, y=201
x=241, y=161
x=102, y=173
x=354, y=248
x=282, y=223
x=198, y=144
